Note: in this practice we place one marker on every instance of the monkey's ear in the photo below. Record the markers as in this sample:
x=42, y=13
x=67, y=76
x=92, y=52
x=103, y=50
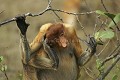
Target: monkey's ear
x=63, y=41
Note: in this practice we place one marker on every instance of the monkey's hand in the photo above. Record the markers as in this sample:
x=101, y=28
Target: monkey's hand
x=92, y=44
x=86, y=55
x=22, y=25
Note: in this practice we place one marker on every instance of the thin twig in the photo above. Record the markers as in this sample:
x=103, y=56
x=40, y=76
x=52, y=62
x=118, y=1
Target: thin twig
x=102, y=23
x=115, y=24
x=104, y=6
x=49, y=5
x=117, y=36
x=71, y=13
x=108, y=59
x=81, y=25
x=103, y=48
x=4, y=72
x=86, y=70
x=96, y=23
x=6, y=75
x=44, y=11
x=58, y=16
x=101, y=77
x=111, y=18
x=114, y=50
x=7, y=21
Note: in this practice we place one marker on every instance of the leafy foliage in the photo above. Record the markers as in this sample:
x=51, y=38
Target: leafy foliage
x=115, y=76
x=3, y=67
x=1, y=59
x=98, y=64
x=102, y=35
x=116, y=19
x=105, y=14
x=108, y=34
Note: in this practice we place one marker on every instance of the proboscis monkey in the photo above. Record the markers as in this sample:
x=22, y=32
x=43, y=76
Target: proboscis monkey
x=54, y=54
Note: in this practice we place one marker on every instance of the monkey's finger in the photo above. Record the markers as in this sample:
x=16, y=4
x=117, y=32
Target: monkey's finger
x=92, y=42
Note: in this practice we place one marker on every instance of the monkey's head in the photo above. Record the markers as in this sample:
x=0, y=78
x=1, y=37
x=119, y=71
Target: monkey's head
x=55, y=35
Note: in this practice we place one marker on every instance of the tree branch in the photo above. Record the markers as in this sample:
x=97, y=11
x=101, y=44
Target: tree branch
x=48, y=8
x=102, y=76
x=109, y=58
x=111, y=18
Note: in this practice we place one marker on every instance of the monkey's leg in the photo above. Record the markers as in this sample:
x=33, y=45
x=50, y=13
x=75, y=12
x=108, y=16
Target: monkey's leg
x=25, y=48
x=38, y=61
x=29, y=71
x=51, y=53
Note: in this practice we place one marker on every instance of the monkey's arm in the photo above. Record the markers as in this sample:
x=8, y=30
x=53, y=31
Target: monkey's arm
x=27, y=51
x=82, y=56
x=42, y=61
x=22, y=25
x=86, y=55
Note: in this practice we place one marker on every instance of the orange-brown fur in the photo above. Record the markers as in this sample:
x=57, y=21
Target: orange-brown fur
x=53, y=33
x=69, y=32
x=68, y=68
x=71, y=6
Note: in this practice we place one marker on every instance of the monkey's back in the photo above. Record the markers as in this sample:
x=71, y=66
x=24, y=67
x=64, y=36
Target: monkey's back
x=67, y=69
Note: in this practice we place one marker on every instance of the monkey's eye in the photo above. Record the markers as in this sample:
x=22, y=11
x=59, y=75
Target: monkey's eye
x=61, y=34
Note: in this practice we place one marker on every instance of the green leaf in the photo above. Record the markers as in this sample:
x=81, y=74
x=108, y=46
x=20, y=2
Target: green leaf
x=105, y=14
x=100, y=12
x=115, y=77
x=110, y=15
x=1, y=58
x=4, y=68
x=116, y=19
x=98, y=62
x=99, y=67
x=97, y=35
x=108, y=34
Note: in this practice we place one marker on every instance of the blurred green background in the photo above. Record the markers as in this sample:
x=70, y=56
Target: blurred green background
x=9, y=33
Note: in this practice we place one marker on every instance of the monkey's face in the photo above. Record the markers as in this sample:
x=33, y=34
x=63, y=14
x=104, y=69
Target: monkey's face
x=55, y=36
